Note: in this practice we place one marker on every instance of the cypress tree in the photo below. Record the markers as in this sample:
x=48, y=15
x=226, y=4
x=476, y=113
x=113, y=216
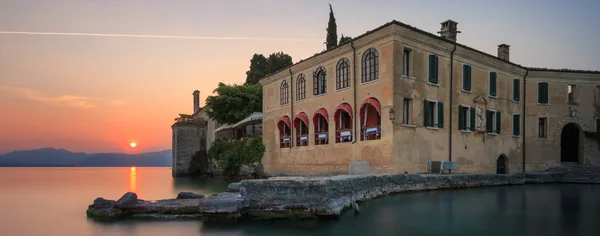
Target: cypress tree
x=331, y=30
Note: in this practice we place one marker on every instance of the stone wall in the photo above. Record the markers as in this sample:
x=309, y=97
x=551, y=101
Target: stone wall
x=329, y=195
x=188, y=138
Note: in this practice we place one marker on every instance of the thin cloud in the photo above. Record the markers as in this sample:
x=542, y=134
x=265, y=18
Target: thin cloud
x=158, y=36
x=62, y=100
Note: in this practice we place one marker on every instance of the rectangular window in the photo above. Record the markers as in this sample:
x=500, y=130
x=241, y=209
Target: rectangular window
x=406, y=61
x=516, y=125
x=433, y=69
x=516, y=90
x=433, y=115
x=597, y=97
x=572, y=96
x=466, y=77
x=493, y=76
x=493, y=121
x=542, y=132
x=406, y=111
x=466, y=118
x=543, y=93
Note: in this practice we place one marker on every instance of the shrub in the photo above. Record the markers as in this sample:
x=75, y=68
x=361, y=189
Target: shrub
x=232, y=155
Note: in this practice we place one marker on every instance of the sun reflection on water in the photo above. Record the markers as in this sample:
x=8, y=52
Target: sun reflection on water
x=132, y=180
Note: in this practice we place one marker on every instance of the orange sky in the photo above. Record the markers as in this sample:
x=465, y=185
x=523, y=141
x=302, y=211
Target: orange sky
x=96, y=94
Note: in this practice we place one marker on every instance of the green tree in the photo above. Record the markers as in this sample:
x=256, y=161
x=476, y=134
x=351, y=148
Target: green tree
x=278, y=61
x=344, y=39
x=331, y=30
x=184, y=117
x=260, y=66
x=234, y=102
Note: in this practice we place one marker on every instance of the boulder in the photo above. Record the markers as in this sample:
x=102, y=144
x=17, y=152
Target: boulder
x=234, y=187
x=128, y=199
x=104, y=213
x=226, y=203
x=101, y=203
x=189, y=195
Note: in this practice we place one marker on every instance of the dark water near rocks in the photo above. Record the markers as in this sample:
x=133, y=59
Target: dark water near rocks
x=52, y=201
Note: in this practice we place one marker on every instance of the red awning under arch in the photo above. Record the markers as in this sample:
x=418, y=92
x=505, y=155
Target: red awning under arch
x=286, y=120
x=344, y=106
x=374, y=102
x=323, y=112
x=302, y=116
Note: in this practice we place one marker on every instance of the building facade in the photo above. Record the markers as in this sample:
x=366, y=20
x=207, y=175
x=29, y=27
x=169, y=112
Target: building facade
x=397, y=97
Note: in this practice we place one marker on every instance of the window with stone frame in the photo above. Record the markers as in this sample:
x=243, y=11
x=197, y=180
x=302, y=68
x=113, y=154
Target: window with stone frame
x=370, y=65
x=493, y=119
x=342, y=74
x=407, y=111
x=320, y=81
x=466, y=118
x=300, y=87
x=433, y=115
x=284, y=93
x=543, y=127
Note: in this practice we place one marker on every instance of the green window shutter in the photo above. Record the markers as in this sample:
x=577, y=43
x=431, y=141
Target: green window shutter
x=437, y=59
x=493, y=84
x=432, y=69
x=472, y=118
x=425, y=113
x=488, y=121
x=540, y=95
x=543, y=93
x=516, y=125
x=440, y=107
x=498, y=121
x=461, y=118
x=467, y=77
x=516, y=89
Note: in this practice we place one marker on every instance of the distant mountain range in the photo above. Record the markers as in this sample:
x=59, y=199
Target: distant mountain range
x=61, y=157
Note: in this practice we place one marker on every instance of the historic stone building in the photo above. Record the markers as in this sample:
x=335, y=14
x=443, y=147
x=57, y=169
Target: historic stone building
x=397, y=97
x=191, y=136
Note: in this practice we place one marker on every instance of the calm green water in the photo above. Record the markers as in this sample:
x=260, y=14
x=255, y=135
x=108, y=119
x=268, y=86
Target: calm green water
x=52, y=201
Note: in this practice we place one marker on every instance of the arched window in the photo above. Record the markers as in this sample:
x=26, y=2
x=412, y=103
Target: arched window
x=370, y=65
x=320, y=81
x=301, y=126
x=300, y=87
x=321, y=123
x=342, y=74
x=284, y=93
x=370, y=119
x=284, y=132
x=343, y=123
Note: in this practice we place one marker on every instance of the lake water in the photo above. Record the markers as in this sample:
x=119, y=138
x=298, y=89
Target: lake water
x=52, y=201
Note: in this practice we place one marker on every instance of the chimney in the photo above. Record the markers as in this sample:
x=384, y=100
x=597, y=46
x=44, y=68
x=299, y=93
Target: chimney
x=449, y=30
x=503, y=52
x=196, y=101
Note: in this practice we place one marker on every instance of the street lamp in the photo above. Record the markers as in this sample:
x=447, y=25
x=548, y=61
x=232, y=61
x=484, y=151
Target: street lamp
x=392, y=114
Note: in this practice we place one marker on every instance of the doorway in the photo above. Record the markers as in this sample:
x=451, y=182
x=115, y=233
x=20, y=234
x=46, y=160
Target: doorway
x=502, y=165
x=569, y=143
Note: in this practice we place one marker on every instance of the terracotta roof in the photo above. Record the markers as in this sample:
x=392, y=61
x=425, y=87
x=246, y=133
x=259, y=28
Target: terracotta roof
x=430, y=35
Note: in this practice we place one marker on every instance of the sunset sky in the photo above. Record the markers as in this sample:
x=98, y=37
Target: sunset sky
x=90, y=86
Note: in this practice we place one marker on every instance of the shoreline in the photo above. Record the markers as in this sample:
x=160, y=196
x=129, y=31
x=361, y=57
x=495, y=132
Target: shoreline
x=300, y=198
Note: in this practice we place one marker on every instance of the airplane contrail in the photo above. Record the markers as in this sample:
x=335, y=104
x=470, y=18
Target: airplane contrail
x=156, y=36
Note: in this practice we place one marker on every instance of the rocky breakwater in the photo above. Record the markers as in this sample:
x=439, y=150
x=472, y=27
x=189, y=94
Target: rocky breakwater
x=299, y=197
x=221, y=206
x=313, y=197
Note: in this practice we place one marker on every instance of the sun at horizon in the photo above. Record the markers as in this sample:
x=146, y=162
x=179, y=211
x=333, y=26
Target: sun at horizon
x=133, y=144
